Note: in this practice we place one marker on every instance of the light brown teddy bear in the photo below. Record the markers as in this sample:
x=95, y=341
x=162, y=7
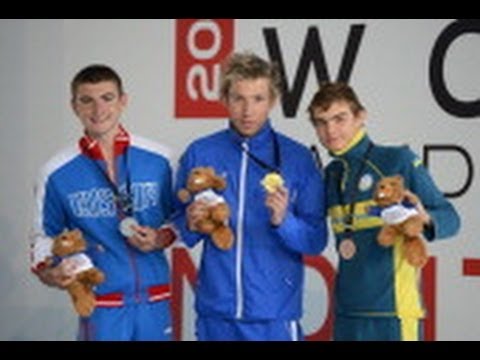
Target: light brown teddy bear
x=201, y=183
x=70, y=246
x=401, y=217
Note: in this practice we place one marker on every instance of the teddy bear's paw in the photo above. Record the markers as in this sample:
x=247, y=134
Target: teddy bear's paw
x=416, y=253
x=205, y=227
x=386, y=241
x=413, y=227
x=223, y=238
x=417, y=260
x=387, y=236
x=220, y=213
x=85, y=305
x=96, y=277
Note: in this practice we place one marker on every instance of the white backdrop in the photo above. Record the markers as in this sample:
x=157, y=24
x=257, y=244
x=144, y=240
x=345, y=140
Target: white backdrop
x=390, y=71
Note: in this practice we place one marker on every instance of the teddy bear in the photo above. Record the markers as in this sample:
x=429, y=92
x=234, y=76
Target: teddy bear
x=401, y=217
x=70, y=246
x=202, y=184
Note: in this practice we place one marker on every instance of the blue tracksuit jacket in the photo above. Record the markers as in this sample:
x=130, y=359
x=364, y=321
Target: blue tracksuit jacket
x=261, y=276
x=72, y=193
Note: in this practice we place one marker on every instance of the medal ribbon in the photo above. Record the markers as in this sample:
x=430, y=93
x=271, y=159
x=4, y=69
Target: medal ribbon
x=277, y=157
x=91, y=149
x=123, y=201
x=353, y=191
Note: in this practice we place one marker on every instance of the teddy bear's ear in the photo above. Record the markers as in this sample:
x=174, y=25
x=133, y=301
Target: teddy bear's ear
x=210, y=171
x=400, y=180
x=219, y=183
x=183, y=195
x=76, y=233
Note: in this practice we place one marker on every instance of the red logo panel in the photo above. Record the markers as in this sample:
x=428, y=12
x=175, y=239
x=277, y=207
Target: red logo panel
x=201, y=46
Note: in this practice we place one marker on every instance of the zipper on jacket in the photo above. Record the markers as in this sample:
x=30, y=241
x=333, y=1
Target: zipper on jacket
x=241, y=211
x=131, y=254
x=133, y=263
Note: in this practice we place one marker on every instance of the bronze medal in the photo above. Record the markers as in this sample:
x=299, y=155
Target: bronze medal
x=347, y=249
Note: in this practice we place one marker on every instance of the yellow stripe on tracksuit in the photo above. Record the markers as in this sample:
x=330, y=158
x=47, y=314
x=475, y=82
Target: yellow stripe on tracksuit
x=407, y=297
x=361, y=220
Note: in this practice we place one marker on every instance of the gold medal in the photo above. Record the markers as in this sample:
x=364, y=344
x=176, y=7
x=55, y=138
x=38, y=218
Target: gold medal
x=272, y=181
x=347, y=249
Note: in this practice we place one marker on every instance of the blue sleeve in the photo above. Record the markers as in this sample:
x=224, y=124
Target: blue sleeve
x=445, y=219
x=186, y=163
x=166, y=192
x=304, y=229
x=54, y=218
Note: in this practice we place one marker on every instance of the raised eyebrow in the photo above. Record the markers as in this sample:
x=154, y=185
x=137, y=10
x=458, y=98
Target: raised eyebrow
x=235, y=96
x=103, y=96
x=337, y=117
x=319, y=120
x=325, y=120
x=84, y=98
x=109, y=94
x=260, y=96
x=342, y=114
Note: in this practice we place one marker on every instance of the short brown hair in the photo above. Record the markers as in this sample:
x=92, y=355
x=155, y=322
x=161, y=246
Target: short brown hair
x=93, y=74
x=331, y=92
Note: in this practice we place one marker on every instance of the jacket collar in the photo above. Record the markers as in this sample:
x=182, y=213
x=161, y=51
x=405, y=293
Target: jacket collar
x=356, y=149
x=91, y=148
x=261, y=138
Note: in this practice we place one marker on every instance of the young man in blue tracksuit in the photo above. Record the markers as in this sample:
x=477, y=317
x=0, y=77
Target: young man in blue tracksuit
x=376, y=292
x=253, y=290
x=116, y=189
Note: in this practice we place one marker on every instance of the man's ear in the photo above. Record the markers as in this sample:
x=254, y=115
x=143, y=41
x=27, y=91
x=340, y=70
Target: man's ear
x=74, y=108
x=224, y=100
x=124, y=99
x=362, y=116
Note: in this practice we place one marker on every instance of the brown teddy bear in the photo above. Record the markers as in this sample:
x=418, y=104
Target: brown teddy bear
x=70, y=246
x=201, y=183
x=401, y=217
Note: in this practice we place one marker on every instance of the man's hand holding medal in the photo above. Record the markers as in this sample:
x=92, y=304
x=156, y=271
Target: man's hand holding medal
x=277, y=197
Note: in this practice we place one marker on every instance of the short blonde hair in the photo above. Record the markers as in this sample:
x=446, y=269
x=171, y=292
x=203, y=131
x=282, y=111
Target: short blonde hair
x=248, y=66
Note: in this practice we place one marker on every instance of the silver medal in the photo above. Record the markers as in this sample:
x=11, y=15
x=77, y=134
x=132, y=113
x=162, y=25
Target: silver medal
x=125, y=226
